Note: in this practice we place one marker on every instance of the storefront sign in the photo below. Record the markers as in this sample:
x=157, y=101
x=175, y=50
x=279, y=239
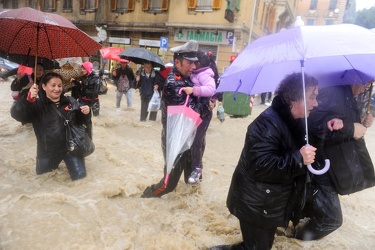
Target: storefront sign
x=205, y=36
x=119, y=40
x=149, y=43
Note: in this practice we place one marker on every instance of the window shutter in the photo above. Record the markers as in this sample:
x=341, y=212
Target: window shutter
x=192, y=4
x=131, y=5
x=113, y=5
x=164, y=5
x=238, y=5
x=216, y=4
x=82, y=4
x=145, y=4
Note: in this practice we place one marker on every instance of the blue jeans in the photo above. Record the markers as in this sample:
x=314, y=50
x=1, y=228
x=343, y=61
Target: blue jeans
x=128, y=95
x=75, y=165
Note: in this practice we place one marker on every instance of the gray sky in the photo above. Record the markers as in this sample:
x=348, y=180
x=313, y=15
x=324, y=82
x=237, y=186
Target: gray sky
x=364, y=4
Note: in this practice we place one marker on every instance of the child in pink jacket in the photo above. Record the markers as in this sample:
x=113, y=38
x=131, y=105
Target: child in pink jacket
x=204, y=78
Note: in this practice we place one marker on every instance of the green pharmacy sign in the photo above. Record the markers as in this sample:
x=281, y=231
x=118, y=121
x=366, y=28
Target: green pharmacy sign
x=205, y=36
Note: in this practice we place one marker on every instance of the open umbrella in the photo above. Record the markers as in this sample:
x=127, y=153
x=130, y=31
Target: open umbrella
x=182, y=123
x=332, y=54
x=111, y=53
x=141, y=55
x=29, y=61
x=26, y=31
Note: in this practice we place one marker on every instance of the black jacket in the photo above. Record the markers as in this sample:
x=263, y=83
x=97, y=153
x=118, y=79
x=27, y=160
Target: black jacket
x=262, y=186
x=146, y=84
x=48, y=125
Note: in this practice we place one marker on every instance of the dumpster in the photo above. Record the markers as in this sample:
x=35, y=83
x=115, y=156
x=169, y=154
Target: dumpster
x=239, y=107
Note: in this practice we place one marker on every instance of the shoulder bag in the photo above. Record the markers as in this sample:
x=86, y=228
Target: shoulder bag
x=351, y=167
x=77, y=140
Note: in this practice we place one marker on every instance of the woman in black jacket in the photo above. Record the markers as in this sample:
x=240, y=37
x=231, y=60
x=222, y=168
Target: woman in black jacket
x=272, y=160
x=49, y=126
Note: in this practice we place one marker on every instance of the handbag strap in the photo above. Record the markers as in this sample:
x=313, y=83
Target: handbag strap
x=66, y=121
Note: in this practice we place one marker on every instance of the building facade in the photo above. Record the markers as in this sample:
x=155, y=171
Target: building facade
x=322, y=12
x=223, y=27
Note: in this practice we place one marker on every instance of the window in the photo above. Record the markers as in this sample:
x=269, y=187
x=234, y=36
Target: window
x=204, y=5
x=332, y=4
x=49, y=5
x=88, y=5
x=154, y=5
x=310, y=22
x=122, y=6
x=67, y=6
x=10, y=4
x=329, y=21
x=313, y=4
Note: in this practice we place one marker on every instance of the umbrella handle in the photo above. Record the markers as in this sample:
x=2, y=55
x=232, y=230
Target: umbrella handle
x=187, y=96
x=321, y=171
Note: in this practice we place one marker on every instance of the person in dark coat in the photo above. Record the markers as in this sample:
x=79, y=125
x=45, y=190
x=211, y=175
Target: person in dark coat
x=184, y=58
x=86, y=90
x=273, y=159
x=124, y=78
x=49, y=127
x=21, y=84
x=148, y=81
x=323, y=208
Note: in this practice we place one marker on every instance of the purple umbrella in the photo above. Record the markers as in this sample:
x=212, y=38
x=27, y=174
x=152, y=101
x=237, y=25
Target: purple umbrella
x=327, y=52
x=334, y=54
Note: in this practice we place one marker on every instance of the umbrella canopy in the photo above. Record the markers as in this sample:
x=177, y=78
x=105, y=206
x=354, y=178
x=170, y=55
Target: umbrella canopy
x=29, y=61
x=182, y=123
x=141, y=55
x=334, y=54
x=111, y=53
x=26, y=31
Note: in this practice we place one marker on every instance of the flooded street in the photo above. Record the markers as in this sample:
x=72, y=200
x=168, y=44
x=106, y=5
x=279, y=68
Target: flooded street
x=104, y=211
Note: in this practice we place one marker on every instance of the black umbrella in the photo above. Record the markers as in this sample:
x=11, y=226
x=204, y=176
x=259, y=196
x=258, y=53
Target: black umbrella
x=141, y=55
x=29, y=61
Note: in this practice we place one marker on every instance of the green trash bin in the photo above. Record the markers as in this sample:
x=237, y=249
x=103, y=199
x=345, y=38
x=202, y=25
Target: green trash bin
x=238, y=107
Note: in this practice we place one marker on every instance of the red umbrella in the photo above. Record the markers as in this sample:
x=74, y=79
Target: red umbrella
x=26, y=31
x=111, y=53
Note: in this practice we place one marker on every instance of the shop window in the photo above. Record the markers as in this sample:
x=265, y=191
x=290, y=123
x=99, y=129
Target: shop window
x=122, y=6
x=10, y=4
x=49, y=5
x=204, y=5
x=67, y=6
x=154, y=5
x=88, y=5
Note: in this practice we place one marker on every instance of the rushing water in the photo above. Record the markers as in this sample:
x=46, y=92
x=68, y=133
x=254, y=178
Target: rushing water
x=104, y=211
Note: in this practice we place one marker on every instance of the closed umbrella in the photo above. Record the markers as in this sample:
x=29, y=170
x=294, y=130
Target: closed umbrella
x=182, y=123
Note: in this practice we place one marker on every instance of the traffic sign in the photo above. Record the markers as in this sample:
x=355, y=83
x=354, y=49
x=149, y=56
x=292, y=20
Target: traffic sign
x=164, y=43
